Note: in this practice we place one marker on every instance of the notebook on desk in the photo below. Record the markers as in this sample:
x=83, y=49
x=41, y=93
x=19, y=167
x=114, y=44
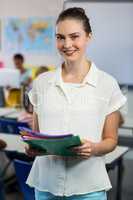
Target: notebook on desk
x=51, y=144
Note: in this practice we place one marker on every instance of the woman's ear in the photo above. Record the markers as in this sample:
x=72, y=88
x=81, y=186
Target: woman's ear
x=89, y=37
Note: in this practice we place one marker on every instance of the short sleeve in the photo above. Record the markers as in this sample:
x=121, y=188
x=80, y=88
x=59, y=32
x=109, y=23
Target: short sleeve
x=33, y=96
x=117, y=100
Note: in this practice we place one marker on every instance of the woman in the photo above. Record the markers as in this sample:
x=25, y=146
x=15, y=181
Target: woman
x=81, y=99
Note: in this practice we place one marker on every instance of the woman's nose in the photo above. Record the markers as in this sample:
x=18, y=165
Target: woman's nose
x=67, y=43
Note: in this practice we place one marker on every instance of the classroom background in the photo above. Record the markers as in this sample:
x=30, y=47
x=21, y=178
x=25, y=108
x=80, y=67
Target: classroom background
x=27, y=28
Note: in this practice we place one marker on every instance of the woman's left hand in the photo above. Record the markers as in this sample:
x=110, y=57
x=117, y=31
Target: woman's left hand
x=86, y=150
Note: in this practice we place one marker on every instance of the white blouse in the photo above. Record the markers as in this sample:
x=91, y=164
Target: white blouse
x=79, y=109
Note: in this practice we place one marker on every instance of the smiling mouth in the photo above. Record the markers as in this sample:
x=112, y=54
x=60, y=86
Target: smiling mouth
x=69, y=52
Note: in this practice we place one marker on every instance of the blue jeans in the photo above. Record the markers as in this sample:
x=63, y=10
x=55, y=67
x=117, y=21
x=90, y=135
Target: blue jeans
x=101, y=195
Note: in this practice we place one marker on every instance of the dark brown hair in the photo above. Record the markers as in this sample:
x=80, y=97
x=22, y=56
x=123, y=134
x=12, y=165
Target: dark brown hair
x=77, y=14
x=18, y=57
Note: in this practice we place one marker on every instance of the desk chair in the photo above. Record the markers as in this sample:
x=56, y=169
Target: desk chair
x=2, y=97
x=22, y=171
x=2, y=189
x=14, y=98
x=11, y=125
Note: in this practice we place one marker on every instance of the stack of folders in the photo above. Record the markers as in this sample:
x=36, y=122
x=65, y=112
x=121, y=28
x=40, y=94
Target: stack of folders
x=50, y=144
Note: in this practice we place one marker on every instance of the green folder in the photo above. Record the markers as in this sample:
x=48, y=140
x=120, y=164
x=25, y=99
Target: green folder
x=60, y=146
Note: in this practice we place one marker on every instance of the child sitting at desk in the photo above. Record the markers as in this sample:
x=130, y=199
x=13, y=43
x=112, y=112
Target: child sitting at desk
x=13, y=95
x=25, y=78
x=27, y=116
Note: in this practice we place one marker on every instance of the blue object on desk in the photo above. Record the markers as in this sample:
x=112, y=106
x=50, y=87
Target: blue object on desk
x=11, y=126
x=22, y=169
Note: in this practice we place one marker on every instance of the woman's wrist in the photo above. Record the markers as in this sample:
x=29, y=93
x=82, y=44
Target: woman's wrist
x=104, y=147
x=95, y=149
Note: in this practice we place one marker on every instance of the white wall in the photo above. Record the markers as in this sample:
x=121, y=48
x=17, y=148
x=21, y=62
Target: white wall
x=112, y=44
x=30, y=8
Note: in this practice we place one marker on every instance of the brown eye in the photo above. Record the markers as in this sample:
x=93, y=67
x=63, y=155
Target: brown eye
x=73, y=37
x=58, y=37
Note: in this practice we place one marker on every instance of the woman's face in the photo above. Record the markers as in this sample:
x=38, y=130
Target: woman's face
x=71, y=39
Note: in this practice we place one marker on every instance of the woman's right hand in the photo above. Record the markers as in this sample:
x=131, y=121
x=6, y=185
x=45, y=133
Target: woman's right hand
x=33, y=152
x=26, y=117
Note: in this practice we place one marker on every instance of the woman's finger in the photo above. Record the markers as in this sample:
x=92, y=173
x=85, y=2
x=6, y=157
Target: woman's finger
x=84, y=146
x=83, y=151
x=87, y=154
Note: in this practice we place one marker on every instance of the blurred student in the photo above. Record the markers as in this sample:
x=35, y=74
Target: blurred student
x=13, y=95
x=25, y=78
x=27, y=115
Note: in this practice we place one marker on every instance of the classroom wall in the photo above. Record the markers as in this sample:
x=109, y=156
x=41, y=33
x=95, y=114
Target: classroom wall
x=30, y=8
x=112, y=44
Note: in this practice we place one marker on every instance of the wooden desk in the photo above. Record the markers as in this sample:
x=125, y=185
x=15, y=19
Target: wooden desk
x=113, y=159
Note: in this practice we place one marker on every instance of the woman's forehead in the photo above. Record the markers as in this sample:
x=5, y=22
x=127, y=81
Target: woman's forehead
x=69, y=26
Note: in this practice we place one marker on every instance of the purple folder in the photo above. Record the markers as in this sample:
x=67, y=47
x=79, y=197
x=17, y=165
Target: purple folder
x=44, y=135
